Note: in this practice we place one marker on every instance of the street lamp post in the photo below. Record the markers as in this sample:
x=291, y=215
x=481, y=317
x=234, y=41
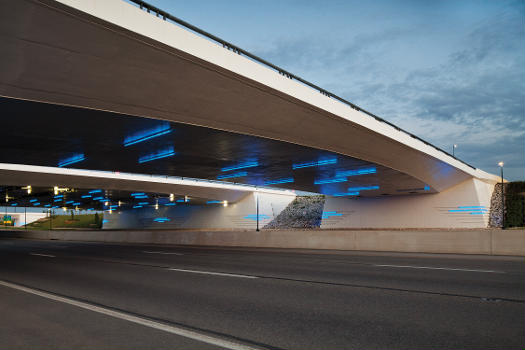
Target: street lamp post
x=502, y=198
x=257, y=194
x=454, y=150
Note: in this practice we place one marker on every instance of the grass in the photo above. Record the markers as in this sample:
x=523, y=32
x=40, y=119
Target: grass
x=64, y=221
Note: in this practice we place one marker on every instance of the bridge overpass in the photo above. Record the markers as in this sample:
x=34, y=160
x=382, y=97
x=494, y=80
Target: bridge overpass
x=119, y=86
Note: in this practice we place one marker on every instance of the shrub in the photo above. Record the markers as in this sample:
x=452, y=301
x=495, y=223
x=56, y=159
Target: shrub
x=515, y=204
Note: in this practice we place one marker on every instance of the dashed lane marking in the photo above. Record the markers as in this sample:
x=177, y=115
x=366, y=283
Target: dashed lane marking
x=214, y=273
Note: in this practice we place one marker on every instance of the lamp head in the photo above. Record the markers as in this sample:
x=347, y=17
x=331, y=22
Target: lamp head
x=501, y=164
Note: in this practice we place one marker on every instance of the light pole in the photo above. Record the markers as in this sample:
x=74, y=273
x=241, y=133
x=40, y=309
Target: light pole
x=454, y=150
x=502, y=198
x=257, y=196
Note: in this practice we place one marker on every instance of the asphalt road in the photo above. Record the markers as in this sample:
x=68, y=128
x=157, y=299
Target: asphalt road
x=65, y=295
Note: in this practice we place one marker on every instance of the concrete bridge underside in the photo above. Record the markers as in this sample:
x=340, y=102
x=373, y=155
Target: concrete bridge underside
x=111, y=57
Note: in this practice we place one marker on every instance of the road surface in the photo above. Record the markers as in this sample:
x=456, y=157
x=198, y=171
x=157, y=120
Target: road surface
x=71, y=295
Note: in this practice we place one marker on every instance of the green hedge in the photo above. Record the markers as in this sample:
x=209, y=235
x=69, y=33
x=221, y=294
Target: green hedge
x=515, y=204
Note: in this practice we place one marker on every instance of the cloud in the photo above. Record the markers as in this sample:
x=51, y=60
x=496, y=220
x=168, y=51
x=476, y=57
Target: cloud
x=474, y=97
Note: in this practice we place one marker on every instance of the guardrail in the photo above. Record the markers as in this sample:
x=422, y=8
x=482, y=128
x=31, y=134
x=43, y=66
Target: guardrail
x=166, y=16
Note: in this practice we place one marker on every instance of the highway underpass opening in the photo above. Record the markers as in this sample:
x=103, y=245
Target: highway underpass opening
x=147, y=97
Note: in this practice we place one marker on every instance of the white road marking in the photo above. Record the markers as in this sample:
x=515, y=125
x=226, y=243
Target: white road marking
x=167, y=253
x=214, y=273
x=46, y=255
x=135, y=319
x=439, y=268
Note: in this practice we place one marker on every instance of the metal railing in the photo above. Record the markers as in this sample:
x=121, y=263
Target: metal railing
x=166, y=16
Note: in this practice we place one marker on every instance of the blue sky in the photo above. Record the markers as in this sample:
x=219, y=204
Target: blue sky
x=447, y=71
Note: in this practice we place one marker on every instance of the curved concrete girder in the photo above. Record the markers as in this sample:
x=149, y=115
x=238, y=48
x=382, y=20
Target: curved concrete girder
x=41, y=176
x=200, y=83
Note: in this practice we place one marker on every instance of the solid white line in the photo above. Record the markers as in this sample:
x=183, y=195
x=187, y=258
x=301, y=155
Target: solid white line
x=214, y=273
x=167, y=253
x=135, y=319
x=46, y=255
x=440, y=268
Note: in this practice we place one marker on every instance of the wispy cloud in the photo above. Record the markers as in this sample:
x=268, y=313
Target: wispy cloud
x=474, y=96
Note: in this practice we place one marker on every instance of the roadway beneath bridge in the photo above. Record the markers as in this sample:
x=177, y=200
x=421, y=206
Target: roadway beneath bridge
x=95, y=295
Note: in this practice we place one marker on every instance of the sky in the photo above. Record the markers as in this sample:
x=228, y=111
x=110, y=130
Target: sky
x=450, y=72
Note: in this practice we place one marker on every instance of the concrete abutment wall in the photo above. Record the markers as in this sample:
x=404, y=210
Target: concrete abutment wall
x=485, y=241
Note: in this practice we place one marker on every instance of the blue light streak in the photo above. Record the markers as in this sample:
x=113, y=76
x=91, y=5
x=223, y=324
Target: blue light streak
x=363, y=188
x=330, y=181
x=346, y=173
x=161, y=220
x=214, y=202
x=97, y=198
x=70, y=202
x=58, y=200
x=77, y=203
x=146, y=135
x=137, y=194
x=470, y=209
x=55, y=207
x=317, y=163
x=244, y=165
x=14, y=204
x=86, y=196
x=346, y=194
x=72, y=160
x=328, y=214
x=279, y=181
x=254, y=217
x=342, y=176
x=91, y=209
x=141, y=197
x=466, y=210
x=137, y=206
x=143, y=203
x=36, y=203
x=95, y=191
x=47, y=205
x=231, y=176
x=167, y=152
x=170, y=204
x=59, y=196
x=33, y=200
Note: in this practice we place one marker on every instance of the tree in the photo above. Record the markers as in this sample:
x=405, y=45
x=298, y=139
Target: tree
x=97, y=220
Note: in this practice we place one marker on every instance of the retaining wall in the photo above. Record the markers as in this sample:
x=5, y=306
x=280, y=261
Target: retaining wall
x=486, y=241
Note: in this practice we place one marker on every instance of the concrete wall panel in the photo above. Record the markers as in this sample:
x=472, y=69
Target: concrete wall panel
x=495, y=242
x=240, y=215
x=446, y=209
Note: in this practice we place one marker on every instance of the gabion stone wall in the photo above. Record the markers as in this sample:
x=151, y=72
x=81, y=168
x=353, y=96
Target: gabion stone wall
x=303, y=212
x=496, y=212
